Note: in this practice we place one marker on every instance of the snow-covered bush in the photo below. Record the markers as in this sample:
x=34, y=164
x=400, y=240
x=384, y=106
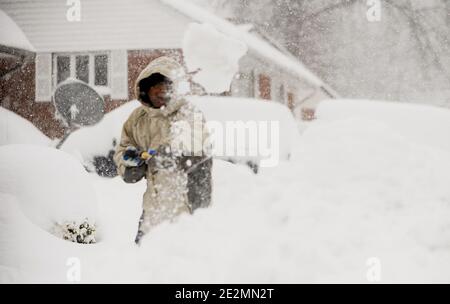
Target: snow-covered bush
x=83, y=233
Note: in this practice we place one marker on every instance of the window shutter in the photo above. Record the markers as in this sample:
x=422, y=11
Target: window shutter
x=43, y=77
x=119, y=74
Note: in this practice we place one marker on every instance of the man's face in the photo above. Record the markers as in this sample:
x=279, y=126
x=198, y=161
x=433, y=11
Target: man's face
x=160, y=94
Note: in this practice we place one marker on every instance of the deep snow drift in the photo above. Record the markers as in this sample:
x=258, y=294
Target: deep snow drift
x=356, y=187
x=50, y=185
x=17, y=130
x=99, y=139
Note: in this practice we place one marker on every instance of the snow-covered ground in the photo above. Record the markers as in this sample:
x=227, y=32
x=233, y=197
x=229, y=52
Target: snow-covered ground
x=367, y=181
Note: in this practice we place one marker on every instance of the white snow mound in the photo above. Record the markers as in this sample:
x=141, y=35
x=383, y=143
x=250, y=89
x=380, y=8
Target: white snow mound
x=50, y=185
x=98, y=139
x=17, y=130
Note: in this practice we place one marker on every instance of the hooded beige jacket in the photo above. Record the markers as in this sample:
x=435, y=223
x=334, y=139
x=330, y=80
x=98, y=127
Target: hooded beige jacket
x=173, y=191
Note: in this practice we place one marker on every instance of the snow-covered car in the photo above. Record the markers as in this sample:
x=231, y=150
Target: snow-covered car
x=248, y=131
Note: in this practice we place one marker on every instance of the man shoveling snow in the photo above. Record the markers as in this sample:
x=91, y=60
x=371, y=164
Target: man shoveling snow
x=165, y=140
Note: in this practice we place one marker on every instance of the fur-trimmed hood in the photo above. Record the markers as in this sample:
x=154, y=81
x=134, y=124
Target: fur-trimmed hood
x=169, y=68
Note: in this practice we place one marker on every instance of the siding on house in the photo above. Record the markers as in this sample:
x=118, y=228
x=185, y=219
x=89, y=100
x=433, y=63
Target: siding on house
x=104, y=25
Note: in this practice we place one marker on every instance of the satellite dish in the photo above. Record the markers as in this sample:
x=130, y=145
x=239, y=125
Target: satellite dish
x=78, y=104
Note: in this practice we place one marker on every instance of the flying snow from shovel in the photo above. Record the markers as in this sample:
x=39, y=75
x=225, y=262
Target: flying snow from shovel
x=213, y=56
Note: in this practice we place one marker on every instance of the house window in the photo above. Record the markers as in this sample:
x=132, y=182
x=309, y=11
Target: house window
x=92, y=68
x=63, y=68
x=82, y=68
x=101, y=70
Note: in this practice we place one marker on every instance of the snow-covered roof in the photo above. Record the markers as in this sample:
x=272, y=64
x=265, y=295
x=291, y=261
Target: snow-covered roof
x=104, y=24
x=254, y=43
x=131, y=25
x=11, y=35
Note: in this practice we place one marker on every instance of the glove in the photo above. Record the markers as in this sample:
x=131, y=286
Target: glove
x=134, y=174
x=132, y=157
x=146, y=155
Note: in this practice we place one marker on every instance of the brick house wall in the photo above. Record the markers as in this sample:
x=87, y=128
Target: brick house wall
x=17, y=91
x=264, y=87
x=17, y=94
